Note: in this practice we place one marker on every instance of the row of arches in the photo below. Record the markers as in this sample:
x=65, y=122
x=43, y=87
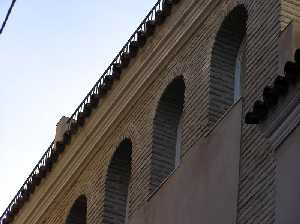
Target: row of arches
x=227, y=68
x=165, y=157
x=116, y=190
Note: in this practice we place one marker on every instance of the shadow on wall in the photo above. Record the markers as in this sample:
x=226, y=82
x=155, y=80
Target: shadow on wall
x=116, y=203
x=167, y=130
x=227, y=63
x=77, y=214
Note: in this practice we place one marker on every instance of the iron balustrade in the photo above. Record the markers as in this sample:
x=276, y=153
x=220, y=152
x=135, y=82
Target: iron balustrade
x=157, y=14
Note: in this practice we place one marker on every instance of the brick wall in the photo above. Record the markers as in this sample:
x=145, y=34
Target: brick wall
x=117, y=184
x=257, y=165
x=223, y=62
x=129, y=109
x=290, y=11
x=165, y=126
x=77, y=214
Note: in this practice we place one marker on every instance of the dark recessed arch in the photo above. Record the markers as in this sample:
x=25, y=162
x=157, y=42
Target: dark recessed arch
x=77, y=213
x=167, y=132
x=227, y=63
x=117, y=181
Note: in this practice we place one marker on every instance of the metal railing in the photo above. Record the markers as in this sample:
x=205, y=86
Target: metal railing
x=146, y=28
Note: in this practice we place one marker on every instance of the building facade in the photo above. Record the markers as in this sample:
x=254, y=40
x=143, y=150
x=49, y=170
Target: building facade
x=195, y=121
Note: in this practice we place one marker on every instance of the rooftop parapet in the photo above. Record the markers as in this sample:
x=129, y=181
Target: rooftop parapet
x=157, y=15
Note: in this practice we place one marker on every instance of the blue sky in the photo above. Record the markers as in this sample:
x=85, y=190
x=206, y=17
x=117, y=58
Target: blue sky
x=4, y=5
x=51, y=54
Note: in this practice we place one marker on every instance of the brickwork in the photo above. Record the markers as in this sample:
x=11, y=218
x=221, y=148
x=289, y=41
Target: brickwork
x=225, y=51
x=257, y=165
x=290, y=12
x=182, y=46
x=165, y=126
x=117, y=184
x=77, y=214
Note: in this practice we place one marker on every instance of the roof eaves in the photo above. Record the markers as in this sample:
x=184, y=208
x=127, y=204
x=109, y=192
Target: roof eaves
x=278, y=89
x=157, y=15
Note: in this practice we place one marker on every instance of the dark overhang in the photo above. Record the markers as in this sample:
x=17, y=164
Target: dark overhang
x=272, y=94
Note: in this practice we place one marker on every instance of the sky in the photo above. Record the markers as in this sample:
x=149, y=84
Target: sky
x=51, y=54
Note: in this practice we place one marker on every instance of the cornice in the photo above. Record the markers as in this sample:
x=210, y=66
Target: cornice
x=98, y=125
x=276, y=92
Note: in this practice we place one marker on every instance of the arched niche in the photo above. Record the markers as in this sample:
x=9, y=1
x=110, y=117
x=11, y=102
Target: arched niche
x=77, y=213
x=227, y=64
x=117, y=181
x=167, y=131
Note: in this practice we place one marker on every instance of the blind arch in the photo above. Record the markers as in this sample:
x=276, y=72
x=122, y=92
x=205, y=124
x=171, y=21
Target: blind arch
x=167, y=128
x=117, y=185
x=227, y=63
x=77, y=213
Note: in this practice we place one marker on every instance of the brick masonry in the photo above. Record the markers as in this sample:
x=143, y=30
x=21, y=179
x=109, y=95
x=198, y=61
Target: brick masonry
x=165, y=126
x=289, y=12
x=227, y=44
x=77, y=214
x=117, y=184
x=190, y=58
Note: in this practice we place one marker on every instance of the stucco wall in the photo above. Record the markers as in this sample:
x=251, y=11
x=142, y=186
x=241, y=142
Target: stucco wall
x=288, y=180
x=204, y=187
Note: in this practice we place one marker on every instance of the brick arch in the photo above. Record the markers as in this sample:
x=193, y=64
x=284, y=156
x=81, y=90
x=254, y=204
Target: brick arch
x=117, y=184
x=227, y=44
x=164, y=136
x=77, y=213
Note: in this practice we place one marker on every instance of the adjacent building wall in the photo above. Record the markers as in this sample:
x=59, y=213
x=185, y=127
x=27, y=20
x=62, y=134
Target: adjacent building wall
x=288, y=180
